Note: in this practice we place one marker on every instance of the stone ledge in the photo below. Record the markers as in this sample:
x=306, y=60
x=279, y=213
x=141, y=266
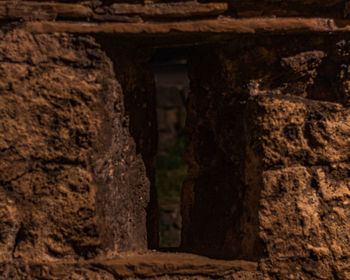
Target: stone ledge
x=217, y=26
x=150, y=265
x=157, y=263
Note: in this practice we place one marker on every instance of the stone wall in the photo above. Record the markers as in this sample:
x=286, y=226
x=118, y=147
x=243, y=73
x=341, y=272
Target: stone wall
x=133, y=11
x=268, y=120
x=72, y=184
x=269, y=155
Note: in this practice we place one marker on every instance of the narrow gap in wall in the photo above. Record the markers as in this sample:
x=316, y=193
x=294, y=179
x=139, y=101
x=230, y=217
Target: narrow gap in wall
x=172, y=85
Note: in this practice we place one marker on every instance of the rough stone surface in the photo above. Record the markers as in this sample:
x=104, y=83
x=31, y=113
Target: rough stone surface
x=196, y=28
x=269, y=156
x=304, y=184
x=269, y=152
x=133, y=72
x=71, y=182
x=152, y=265
x=133, y=11
x=99, y=11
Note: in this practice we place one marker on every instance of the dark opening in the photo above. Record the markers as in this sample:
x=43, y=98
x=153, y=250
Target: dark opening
x=172, y=85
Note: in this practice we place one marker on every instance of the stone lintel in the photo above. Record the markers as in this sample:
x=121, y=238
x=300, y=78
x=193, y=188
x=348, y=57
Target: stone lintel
x=221, y=25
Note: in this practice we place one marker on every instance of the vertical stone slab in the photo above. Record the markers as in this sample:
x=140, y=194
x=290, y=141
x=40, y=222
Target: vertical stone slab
x=269, y=155
x=71, y=182
x=132, y=69
x=305, y=185
x=216, y=200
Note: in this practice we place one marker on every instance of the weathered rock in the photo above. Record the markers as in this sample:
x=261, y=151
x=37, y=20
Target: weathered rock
x=71, y=182
x=195, y=28
x=153, y=265
x=269, y=158
x=269, y=149
x=28, y=10
x=31, y=10
x=304, y=186
x=112, y=10
x=133, y=72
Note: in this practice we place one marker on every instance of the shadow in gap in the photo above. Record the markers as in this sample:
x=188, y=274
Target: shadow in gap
x=172, y=86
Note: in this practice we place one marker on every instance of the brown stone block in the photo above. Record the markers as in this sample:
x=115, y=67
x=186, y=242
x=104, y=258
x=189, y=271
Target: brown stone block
x=137, y=81
x=269, y=171
x=71, y=183
x=309, y=66
x=107, y=11
x=304, y=220
x=151, y=265
x=296, y=131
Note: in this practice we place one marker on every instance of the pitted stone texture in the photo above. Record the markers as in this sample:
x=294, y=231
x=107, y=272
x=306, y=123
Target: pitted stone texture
x=137, y=81
x=303, y=147
x=269, y=165
x=71, y=183
x=309, y=66
x=151, y=265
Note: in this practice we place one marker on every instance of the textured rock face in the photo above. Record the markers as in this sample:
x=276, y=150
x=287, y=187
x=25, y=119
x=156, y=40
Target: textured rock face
x=268, y=119
x=71, y=183
x=153, y=265
x=303, y=149
x=136, y=78
x=112, y=10
x=269, y=156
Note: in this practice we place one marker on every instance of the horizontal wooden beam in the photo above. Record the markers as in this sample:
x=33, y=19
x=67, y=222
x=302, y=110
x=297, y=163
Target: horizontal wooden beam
x=216, y=26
